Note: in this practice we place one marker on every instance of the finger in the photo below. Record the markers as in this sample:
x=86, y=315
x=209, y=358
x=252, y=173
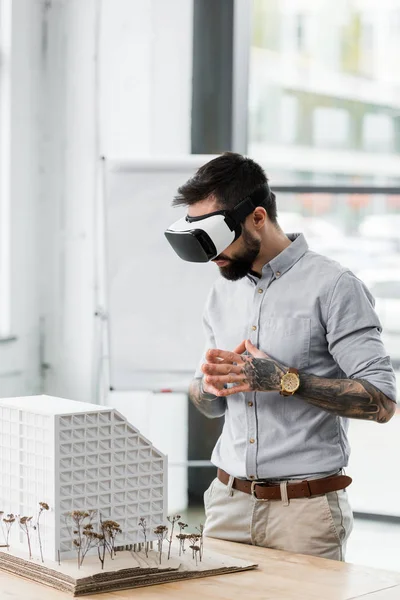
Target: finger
x=241, y=348
x=211, y=358
x=215, y=360
x=254, y=351
x=250, y=347
x=231, y=378
x=225, y=369
x=236, y=389
x=225, y=355
x=213, y=389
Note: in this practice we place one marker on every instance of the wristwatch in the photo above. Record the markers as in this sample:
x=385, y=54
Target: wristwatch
x=290, y=382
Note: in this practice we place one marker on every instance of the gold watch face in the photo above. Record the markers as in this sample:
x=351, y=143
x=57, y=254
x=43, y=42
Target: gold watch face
x=290, y=382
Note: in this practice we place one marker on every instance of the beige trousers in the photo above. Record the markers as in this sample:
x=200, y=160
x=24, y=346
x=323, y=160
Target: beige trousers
x=319, y=526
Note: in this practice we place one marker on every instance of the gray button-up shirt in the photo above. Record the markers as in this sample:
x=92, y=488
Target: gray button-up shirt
x=308, y=312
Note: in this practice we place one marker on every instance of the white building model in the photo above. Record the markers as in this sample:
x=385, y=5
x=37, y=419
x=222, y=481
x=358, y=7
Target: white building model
x=76, y=456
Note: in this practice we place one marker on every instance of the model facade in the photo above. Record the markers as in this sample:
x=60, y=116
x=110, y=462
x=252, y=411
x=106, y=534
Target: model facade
x=76, y=456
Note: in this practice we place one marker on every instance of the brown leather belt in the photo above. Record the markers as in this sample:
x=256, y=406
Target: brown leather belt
x=303, y=489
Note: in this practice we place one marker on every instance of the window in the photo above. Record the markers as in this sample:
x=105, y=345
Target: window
x=378, y=132
x=324, y=109
x=340, y=70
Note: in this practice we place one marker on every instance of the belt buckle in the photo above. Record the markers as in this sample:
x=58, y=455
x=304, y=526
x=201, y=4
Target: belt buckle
x=253, y=492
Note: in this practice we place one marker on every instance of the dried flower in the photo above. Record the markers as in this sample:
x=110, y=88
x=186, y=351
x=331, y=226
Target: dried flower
x=24, y=523
x=9, y=521
x=193, y=538
x=200, y=529
x=161, y=532
x=172, y=520
x=43, y=506
x=143, y=524
x=110, y=529
x=83, y=542
x=182, y=537
x=196, y=549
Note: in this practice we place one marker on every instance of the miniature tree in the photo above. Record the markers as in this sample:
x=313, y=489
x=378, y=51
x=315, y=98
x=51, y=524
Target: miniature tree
x=161, y=532
x=185, y=536
x=2, y=528
x=110, y=529
x=143, y=524
x=193, y=538
x=78, y=518
x=101, y=548
x=196, y=550
x=172, y=520
x=89, y=540
x=25, y=524
x=181, y=537
x=200, y=529
x=182, y=526
x=43, y=506
x=9, y=522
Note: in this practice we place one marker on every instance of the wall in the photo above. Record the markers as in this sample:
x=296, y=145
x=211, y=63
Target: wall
x=94, y=78
x=19, y=358
x=119, y=84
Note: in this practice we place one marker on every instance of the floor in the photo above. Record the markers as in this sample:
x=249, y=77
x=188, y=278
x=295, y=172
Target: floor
x=372, y=543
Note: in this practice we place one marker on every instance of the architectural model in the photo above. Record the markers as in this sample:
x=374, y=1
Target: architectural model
x=83, y=497
x=76, y=456
x=127, y=570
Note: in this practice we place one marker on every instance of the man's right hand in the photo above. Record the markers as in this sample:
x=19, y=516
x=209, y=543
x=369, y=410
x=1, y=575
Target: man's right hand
x=212, y=388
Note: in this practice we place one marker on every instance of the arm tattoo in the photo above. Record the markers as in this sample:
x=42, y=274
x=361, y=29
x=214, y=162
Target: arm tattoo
x=354, y=398
x=211, y=406
x=263, y=374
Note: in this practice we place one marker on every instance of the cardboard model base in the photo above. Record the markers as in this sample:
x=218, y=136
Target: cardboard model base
x=127, y=570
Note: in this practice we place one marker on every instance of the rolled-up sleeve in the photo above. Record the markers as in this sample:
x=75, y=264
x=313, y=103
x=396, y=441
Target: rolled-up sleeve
x=354, y=335
x=211, y=406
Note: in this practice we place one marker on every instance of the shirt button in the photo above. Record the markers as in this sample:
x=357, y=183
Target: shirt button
x=250, y=404
x=260, y=291
x=251, y=440
x=278, y=273
x=251, y=476
x=254, y=327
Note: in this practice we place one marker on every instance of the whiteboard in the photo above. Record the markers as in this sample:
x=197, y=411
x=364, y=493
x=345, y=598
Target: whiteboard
x=155, y=299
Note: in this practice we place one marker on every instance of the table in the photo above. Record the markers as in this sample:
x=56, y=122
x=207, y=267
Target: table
x=280, y=576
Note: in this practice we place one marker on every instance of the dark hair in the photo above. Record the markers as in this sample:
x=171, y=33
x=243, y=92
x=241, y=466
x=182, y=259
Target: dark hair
x=230, y=178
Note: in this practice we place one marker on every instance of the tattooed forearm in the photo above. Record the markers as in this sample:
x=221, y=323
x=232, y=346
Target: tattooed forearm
x=207, y=404
x=354, y=398
x=263, y=374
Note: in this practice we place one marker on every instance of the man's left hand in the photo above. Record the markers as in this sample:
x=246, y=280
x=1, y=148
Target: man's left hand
x=254, y=371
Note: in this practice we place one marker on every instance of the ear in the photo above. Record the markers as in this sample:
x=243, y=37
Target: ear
x=259, y=217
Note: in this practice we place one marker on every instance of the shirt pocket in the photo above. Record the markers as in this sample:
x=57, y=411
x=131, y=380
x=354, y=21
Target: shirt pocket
x=288, y=340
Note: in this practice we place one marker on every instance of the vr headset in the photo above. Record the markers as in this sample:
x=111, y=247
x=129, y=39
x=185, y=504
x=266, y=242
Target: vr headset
x=201, y=239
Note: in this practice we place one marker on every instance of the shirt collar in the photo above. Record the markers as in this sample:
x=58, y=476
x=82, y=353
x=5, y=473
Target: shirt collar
x=289, y=256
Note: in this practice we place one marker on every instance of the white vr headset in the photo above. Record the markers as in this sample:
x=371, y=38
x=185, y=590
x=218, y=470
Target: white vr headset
x=201, y=239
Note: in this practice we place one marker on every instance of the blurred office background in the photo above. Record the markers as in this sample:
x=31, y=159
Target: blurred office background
x=148, y=90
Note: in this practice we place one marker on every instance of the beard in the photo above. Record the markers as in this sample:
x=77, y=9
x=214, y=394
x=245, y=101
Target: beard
x=240, y=264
